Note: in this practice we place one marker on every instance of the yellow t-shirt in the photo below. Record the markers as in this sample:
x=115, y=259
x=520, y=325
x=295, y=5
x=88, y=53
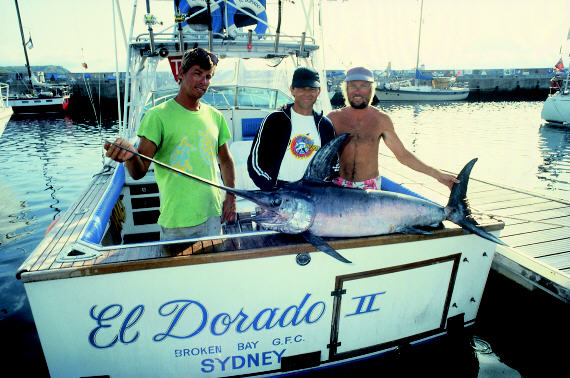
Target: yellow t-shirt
x=188, y=141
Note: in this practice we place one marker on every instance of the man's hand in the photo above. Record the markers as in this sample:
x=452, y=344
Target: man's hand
x=447, y=180
x=118, y=154
x=229, y=208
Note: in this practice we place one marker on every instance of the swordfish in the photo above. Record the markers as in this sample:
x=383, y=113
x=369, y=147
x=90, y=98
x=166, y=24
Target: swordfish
x=315, y=208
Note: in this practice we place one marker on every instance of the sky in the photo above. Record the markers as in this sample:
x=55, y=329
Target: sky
x=456, y=34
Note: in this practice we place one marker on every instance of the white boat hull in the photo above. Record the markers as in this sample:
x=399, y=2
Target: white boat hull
x=5, y=109
x=54, y=104
x=421, y=94
x=556, y=109
x=5, y=114
x=217, y=317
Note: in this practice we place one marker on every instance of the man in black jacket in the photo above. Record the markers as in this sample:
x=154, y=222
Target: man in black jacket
x=288, y=139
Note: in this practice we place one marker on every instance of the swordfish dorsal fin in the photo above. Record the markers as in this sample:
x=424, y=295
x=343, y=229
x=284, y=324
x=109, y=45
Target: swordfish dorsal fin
x=319, y=167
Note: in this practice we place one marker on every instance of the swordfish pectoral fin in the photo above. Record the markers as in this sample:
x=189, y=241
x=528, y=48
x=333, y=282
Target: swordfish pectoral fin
x=322, y=246
x=415, y=230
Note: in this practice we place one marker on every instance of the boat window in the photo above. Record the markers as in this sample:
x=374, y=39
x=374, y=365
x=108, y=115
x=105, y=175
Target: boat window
x=261, y=98
x=282, y=99
x=220, y=97
x=256, y=97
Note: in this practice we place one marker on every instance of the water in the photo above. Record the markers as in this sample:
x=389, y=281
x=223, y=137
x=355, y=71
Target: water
x=45, y=163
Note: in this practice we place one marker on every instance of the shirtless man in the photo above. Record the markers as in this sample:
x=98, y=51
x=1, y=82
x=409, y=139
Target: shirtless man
x=366, y=125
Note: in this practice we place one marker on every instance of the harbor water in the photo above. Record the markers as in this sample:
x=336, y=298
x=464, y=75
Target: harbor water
x=46, y=163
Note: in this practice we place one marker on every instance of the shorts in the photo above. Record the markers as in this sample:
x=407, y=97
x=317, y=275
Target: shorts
x=373, y=183
x=211, y=227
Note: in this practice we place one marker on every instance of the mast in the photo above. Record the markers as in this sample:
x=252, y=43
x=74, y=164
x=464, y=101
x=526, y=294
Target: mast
x=419, y=39
x=24, y=45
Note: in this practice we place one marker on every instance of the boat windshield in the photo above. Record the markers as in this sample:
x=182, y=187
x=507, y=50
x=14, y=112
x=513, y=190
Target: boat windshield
x=257, y=83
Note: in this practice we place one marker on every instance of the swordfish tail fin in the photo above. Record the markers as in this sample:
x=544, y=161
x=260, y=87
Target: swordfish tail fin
x=458, y=207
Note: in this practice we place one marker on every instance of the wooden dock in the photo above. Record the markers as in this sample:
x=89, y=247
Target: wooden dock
x=537, y=227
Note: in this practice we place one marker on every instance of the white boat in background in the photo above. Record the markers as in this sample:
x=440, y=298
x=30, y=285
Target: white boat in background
x=40, y=96
x=556, y=108
x=108, y=300
x=442, y=89
x=439, y=89
x=5, y=109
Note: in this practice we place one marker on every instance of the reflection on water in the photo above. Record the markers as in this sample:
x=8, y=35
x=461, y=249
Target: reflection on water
x=45, y=164
x=512, y=145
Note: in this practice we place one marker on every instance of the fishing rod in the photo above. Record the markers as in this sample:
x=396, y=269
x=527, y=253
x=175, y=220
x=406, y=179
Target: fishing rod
x=239, y=192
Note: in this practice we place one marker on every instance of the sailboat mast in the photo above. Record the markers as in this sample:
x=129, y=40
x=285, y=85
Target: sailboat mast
x=419, y=39
x=24, y=45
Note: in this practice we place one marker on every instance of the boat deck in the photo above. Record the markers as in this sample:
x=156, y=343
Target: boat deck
x=536, y=227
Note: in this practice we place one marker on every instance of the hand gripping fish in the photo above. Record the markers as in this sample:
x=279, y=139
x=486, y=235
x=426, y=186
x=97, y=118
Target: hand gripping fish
x=315, y=208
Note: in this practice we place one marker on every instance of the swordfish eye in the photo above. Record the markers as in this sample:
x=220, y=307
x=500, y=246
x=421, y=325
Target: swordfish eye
x=276, y=201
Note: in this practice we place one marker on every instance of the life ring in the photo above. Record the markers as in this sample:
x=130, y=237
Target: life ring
x=238, y=19
x=200, y=22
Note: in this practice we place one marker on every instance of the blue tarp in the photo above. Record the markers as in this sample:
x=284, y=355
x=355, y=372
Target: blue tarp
x=421, y=76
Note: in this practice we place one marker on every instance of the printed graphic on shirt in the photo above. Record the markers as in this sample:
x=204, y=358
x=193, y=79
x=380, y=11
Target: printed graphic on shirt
x=180, y=157
x=208, y=147
x=302, y=147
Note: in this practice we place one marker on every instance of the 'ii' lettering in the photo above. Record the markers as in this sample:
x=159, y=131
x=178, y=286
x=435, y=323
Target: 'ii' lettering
x=365, y=304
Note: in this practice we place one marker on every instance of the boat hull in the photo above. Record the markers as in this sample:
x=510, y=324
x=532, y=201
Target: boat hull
x=420, y=94
x=5, y=114
x=57, y=104
x=556, y=109
x=258, y=315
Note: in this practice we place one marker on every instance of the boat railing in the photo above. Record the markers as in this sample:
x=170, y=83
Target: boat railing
x=300, y=45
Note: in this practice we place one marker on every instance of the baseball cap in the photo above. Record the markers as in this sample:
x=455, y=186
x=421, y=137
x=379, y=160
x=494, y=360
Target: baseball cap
x=305, y=77
x=359, y=73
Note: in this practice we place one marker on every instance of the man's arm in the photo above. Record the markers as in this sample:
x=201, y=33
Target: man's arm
x=228, y=172
x=267, y=151
x=407, y=158
x=136, y=166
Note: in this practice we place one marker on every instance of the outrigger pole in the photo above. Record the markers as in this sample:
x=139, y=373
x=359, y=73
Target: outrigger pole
x=179, y=18
x=278, y=30
x=149, y=21
x=210, y=41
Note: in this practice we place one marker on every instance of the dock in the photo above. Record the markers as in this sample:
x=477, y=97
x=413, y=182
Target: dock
x=536, y=227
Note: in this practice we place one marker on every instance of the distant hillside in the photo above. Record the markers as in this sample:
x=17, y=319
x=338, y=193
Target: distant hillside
x=22, y=69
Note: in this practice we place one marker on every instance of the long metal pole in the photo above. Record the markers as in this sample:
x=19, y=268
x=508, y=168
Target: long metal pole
x=24, y=45
x=419, y=39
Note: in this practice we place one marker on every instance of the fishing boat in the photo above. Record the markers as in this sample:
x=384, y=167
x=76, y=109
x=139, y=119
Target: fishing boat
x=108, y=300
x=5, y=109
x=439, y=89
x=40, y=97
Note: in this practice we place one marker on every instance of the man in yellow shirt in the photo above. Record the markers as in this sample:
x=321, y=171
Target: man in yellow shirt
x=184, y=133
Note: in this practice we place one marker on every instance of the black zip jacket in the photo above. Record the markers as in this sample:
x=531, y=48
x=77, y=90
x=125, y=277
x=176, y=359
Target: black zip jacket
x=271, y=141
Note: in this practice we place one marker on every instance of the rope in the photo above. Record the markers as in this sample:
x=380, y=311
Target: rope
x=493, y=216
x=97, y=118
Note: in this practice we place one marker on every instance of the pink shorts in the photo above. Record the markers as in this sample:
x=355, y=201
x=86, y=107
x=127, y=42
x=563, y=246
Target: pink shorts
x=373, y=183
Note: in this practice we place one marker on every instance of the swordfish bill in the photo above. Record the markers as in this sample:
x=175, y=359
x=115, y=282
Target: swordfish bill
x=315, y=208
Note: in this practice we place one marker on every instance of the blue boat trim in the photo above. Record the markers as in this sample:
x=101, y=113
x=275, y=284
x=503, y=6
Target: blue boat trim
x=98, y=223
